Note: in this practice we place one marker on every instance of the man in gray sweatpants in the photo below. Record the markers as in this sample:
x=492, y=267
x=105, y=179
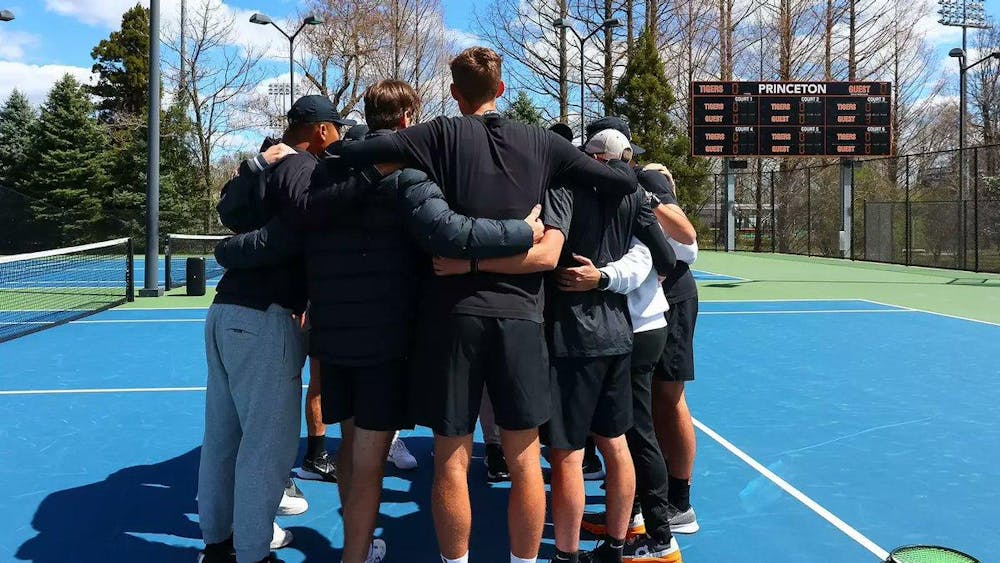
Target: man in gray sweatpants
x=252, y=417
x=256, y=349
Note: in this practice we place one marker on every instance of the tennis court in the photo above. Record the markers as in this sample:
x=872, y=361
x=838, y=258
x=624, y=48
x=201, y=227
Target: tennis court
x=843, y=409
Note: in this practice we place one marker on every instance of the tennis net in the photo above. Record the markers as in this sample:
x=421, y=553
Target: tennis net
x=180, y=248
x=41, y=290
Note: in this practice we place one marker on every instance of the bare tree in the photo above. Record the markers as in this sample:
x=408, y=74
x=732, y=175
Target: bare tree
x=336, y=58
x=218, y=80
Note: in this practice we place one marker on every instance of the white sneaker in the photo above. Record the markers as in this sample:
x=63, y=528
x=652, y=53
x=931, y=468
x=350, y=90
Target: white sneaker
x=376, y=553
x=293, y=502
x=281, y=537
x=400, y=456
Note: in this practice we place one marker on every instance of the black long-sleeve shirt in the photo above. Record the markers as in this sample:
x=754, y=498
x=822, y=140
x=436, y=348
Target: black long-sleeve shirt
x=492, y=167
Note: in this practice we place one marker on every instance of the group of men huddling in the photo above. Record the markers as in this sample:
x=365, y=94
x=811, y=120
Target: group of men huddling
x=439, y=261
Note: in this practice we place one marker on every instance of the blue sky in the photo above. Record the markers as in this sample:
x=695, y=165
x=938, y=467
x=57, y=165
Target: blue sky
x=51, y=37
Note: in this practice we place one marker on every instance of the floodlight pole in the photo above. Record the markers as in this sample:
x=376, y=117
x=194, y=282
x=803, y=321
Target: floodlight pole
x=151, y=279
x=261, y=19
x=562, y=24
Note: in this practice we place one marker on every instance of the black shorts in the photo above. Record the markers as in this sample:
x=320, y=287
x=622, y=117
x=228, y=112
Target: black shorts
x=375, y=397
x=457, y=355
x=677, y=362
x=592, y=395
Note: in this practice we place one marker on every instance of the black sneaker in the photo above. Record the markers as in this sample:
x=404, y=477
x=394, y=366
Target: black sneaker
x=319, y=468
x=496, y=464
x=222, y=552
x=596, y=523
x=603, y=553
x=651, y=550
x=593, y=469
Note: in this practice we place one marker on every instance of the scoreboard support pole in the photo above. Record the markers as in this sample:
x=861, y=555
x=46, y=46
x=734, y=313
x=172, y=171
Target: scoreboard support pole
x=846, y=207
x=730, y=205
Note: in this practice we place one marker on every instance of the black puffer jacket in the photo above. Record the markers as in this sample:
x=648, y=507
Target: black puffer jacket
x=364, y=267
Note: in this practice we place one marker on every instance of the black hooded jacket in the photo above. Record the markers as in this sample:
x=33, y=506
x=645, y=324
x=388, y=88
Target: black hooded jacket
x=366, y=256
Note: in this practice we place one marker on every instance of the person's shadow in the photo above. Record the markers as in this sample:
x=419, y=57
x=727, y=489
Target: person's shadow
x=148, y=514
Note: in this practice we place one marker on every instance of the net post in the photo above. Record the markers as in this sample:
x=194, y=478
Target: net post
x=130, y=271
x=166, y=265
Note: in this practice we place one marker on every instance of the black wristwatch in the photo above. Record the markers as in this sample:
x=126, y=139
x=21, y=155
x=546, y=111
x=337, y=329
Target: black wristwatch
x=604, y=282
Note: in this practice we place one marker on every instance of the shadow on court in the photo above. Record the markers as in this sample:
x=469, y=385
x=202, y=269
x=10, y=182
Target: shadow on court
x=148, y=514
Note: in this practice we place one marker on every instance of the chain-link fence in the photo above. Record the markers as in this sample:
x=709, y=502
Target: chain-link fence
x=918, y=209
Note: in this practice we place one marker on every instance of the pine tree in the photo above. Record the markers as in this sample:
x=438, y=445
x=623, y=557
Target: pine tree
x=16, y=119
x=644, y=98
x=523, y=109
x=121, y=63
x=67, y=176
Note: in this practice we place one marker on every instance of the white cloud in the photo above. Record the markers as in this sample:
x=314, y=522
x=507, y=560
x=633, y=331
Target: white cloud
x=106, y=13
x=35, y=81
x=13, y=44
x=462, y=39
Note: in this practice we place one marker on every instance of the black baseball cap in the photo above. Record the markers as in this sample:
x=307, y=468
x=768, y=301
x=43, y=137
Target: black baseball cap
x=562, y=130
x=356, y=133
x=616, y=123
x=316, y=109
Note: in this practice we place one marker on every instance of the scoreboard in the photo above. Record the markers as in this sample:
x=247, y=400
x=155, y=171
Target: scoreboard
x=829, y=119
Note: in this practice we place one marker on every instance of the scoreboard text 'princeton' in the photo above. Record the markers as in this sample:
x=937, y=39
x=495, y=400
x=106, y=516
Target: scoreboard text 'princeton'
x=828, y=119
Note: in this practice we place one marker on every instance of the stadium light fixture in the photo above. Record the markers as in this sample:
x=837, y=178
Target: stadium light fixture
x=6, y=16
x=311, y=19
x=561, y=23
x=260, y=19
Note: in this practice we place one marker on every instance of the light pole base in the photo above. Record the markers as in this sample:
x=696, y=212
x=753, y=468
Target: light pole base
x=157, y=292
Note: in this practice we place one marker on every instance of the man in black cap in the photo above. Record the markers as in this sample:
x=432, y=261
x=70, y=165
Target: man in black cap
x=255, y=349
x=362, y=267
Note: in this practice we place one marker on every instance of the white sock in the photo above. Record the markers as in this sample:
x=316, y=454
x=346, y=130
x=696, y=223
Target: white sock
x=516, y=559
x=462, y=559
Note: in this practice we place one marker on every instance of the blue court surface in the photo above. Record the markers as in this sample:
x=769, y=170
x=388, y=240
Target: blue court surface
x=822, y=438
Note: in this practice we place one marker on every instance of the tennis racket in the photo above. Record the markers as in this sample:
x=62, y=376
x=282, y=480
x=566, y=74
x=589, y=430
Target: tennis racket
x=928, y=554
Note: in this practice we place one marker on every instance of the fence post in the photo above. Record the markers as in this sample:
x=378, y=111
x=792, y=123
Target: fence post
x=774, y=215
x=846, y=206
x=975, y=208
x=730, y=206
x=908, y=230
x=715, y=211
x=809, y=212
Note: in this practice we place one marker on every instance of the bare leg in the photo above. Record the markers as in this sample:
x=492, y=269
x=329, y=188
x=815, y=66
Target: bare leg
x=314, y=406
x=361, y=509
x=526, y=506
x=450, y=494
x=674, y=429
x=345, y=461
x=568, y=497
x=620, y=484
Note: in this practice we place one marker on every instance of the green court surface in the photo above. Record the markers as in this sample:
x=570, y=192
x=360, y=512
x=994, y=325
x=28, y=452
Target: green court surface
x=782, y=276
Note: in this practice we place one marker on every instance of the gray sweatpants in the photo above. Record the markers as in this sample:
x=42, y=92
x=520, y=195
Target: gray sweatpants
x=252, y=418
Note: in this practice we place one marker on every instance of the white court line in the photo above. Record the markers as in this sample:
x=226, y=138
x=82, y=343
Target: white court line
x=933, y=313
x=844, y=527
x=104, y=322
x=805, y=312
x=819, y=300
x=732, y=278
x=107, y=391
